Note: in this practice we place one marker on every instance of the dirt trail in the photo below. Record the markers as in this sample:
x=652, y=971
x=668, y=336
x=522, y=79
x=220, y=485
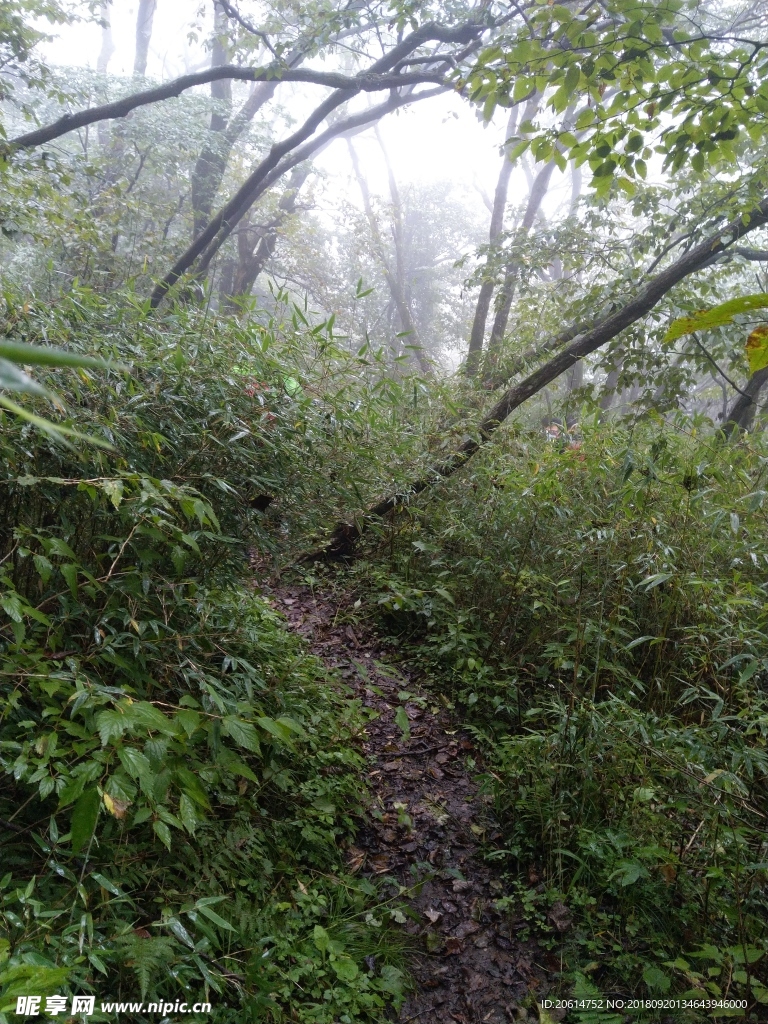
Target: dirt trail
x=427, y=818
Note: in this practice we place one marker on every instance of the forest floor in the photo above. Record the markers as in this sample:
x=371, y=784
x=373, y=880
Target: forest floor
x=427, y=825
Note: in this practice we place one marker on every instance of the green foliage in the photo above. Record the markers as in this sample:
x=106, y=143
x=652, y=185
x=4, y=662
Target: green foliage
x=627, y=80
x=717, y=316
x=598, y=612
x=180, y=777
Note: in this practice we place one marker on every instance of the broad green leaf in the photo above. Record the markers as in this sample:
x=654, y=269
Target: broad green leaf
x=146, y=714
x=345, y=969
x=114, y=491
x=180, y=931
x=84, y=815
x=213, y=916
x=391, y=980
x=112, y=724
x=105, y=883
x=14, y=379
x=11, y=605
x=656, y=580
x=135, y=763
x=629, y=872
x=43, y=355
x=187, y=813
x=243, y=733
x=162, y=832
x=29, y=979
x=656, y=979
x=189, y=720
x=69, y=572
x=190, y=784
x=55, y=430
x=717, y=316
x=276, y=728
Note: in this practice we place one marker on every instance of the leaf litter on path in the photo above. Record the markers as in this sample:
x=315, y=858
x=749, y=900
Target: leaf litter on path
x=468, y=965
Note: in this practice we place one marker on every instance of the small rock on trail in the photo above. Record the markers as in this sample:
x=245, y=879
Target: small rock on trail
x=426, y=823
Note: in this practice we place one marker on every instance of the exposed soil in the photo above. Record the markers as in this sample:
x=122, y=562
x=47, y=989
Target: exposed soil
x=427, y=822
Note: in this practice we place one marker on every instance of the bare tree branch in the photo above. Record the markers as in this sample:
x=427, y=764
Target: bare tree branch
x=235, y=15
x=374, y=79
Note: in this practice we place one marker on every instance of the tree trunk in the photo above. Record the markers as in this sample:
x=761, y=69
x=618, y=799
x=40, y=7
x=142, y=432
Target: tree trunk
x=609, y=391
x=401, y=293
x=393, y=277
x=102, y=63
x=506, y=295
x=286, y=154
x=144, y=19
x=742, y=413
x=212, y=161
x=107, y=42
x=345, y=535
x=257, y=245
x=281, y=159
x=477, y=335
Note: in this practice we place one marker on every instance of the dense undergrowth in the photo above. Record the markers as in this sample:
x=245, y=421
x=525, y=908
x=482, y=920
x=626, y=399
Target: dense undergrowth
x=598, y=614
x=179, y=776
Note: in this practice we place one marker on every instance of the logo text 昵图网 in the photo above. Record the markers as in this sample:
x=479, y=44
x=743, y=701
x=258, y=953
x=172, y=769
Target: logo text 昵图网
x=52, y=1006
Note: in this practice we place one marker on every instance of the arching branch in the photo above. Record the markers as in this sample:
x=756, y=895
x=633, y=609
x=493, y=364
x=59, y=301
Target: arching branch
x=345, y=535
x=204, y=248
x=374, y=79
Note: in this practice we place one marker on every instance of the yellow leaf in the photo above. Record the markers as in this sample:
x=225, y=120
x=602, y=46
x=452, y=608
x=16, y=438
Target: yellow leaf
x=117, y=808
x=757, y=348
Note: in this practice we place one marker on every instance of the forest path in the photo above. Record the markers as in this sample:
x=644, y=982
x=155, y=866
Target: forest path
x=426, y=820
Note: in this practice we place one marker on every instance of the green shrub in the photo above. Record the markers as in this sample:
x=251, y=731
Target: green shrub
x=599, y=614
x=180, y=777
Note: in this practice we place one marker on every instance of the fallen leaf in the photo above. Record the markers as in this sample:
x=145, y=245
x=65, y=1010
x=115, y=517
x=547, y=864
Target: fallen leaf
x=355, y=859
x=560, y=916
x=435, y=773
x=433, y=915
x=668, y=872
x=466, y=928
x=459, y=885
x=379, y=863
x=474, y=981
x=453, y=945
